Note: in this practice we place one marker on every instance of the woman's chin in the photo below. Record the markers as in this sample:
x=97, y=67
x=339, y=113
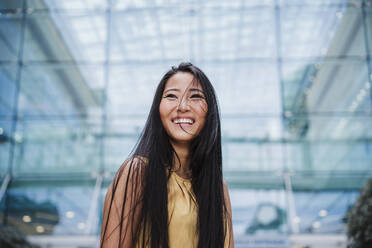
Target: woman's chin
x=182, y=139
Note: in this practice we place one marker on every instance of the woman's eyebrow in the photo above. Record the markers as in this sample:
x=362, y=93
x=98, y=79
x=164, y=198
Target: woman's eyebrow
x=196, y=89
x=171, y=90
x=191, y=89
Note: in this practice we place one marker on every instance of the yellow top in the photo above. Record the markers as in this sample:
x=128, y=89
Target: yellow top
x=182, y=214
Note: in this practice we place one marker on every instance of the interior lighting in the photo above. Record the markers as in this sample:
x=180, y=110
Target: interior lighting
x=81, y=225
x=18, y=138
x=361, y=94
x=1, y=130
x=287, y=114
x=89, y=139
x=296, y=219
x=70, y=214
x=359, y=98
x=316, y=224
x=341, y=124
x=26, y=219
x=323, y=213
x=323, y=50
x=40, y=229
x=353, y=106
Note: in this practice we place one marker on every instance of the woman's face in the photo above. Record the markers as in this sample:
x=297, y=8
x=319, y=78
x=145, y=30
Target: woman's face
x=183, y=107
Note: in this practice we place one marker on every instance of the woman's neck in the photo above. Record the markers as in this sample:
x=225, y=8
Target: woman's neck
x=182, y=151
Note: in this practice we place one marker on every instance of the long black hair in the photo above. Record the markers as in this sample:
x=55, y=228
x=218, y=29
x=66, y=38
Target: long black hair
x=145, y=183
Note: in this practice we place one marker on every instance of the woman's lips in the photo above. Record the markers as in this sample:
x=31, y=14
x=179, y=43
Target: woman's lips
x=183, y=124
x=183, y=120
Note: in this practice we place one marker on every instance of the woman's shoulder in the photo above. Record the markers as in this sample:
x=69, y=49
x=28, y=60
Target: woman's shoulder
x=130, y=176
x=134, y=162
x=132, y=167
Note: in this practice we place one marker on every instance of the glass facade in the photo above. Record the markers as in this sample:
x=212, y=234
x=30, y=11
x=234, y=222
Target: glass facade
x=293, y=80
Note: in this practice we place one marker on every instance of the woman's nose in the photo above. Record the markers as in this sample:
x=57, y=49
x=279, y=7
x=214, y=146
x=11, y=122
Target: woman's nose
x=183, y=105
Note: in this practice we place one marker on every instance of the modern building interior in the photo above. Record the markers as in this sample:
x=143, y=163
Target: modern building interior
x=293, y=80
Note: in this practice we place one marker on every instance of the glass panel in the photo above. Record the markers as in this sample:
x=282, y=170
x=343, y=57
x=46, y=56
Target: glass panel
x=135, y=35
x=5, y=141
x=131, y=88
x=347, y=156
x=10, y=33
x=8, y=75
x=51, y=145
x=329, y=152
x=237, y=36
x=46, y=207
x=245, y=88
x=67, y=4
x=7, y=94
x=340, y=86
x=11, y=5
x=253, y=156
x=61, y=90
x=65, y=37
x=251, y=129
x=322, y=2
x=117, y=150
x=328, y=129
x=319, y=31
x=174, y=33
x=330, y=166
x=101, y=199
x=127, y=4
x=368, y=25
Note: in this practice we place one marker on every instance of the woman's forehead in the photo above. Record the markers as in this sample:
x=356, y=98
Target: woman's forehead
x=182, y=81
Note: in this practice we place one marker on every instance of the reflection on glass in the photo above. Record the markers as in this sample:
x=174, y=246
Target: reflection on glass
x=50, y=208
x=30, y=216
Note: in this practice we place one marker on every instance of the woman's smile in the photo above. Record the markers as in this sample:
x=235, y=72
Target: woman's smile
x=183, y=120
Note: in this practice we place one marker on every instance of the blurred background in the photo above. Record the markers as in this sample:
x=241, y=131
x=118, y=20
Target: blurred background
x=293, y=78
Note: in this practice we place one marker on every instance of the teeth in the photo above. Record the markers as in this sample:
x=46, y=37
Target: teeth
x=188, y=121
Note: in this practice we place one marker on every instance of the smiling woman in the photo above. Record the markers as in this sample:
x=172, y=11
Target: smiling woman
x=170, y=192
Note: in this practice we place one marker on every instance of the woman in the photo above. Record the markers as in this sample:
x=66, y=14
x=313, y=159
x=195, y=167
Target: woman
x=170, y=193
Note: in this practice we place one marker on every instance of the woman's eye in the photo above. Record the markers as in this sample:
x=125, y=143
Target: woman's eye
x=170, y=96
x=197, y=96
